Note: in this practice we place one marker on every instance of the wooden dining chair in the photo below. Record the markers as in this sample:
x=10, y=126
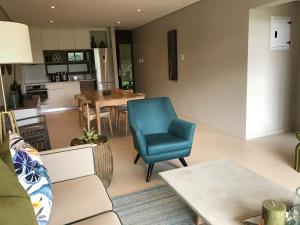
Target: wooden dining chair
x=81, y=99
x=122, y=110
x=89, y=114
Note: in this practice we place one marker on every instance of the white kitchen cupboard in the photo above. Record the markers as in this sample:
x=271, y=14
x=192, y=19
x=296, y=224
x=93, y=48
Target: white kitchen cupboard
x=71, y=88
x=66, y=39
x=56, y=98
x=50, y=39
x=56, y=95
x=82, y=39
x=62, y=94
x=36, y=45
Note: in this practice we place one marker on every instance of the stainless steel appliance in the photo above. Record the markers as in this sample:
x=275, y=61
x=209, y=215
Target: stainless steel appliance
x=37, y=89
x=104, y=68
x=63, y=76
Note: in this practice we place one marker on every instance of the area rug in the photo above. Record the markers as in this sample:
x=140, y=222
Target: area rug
x=156, y=206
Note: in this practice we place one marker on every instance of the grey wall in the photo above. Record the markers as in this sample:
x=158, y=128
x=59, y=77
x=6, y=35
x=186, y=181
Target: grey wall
x=3, y=17
x=213, y=36
x=296, y=87
x=271, y=74
x=212, y=86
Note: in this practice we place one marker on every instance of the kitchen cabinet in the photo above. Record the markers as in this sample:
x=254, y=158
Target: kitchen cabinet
x=54, y=39
x=62, y=94
x=56, y=98
x=82, y=39
x=71, y=89
x=66, y=39
x=56, y=95
x=50, y=39
x=36, y=45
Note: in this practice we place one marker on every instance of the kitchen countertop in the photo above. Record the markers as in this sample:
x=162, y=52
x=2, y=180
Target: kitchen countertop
x=49, y=82
x=28, y=103
x=71, y=81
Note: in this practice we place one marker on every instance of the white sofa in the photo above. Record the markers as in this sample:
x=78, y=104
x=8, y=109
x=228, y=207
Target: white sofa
x=79, y=196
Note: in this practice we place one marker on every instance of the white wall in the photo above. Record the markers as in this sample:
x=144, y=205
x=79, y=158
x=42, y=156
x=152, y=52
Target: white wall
x=270, y=75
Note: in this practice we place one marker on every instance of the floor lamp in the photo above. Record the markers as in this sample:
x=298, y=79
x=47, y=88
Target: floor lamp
x=15, y=48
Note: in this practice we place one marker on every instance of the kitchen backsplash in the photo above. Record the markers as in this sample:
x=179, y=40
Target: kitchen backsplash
x=34, y=74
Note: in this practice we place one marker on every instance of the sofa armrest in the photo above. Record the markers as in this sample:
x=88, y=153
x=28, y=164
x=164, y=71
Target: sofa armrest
x=183, y=129
x=138, y=139
x=69, y=163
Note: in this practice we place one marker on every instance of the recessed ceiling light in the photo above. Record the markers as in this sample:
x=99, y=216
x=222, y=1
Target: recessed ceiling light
x=53, y=7
x=51, y=21
x=139, y=10
x=118, y=22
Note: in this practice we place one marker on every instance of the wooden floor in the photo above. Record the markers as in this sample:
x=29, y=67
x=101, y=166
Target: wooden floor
x=272, y=156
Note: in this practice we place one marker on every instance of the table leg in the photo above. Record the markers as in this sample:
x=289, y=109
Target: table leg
x=98, y=118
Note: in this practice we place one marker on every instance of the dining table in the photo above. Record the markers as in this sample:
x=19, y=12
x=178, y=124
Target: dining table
x=117, y=97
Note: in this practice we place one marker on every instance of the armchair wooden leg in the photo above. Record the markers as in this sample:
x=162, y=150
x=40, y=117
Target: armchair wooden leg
x=137, y=158
x=183, y=162
x=150, y=169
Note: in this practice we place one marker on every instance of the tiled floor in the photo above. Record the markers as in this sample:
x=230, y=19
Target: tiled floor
x=272, y=156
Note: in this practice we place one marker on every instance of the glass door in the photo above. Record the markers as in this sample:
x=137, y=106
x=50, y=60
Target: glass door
x=125, y=67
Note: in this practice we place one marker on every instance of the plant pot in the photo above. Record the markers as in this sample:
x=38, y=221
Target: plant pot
x=103, y=163
x=103, y=160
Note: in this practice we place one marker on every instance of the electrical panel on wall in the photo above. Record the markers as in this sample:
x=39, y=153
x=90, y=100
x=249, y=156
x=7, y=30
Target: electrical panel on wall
x=280, y=37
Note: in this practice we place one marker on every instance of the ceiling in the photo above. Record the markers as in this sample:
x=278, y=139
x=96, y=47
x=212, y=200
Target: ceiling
x=90, y=13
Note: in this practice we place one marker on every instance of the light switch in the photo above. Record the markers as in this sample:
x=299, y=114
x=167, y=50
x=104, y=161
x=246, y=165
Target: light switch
x=182, y=57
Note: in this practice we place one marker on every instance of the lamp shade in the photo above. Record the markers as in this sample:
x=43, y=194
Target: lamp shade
x=14, y=43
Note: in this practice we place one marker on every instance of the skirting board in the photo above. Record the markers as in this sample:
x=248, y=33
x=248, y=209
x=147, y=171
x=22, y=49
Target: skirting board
x=267, y=133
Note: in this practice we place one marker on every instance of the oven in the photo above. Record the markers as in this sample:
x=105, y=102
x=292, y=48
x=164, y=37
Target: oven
x=40, y=90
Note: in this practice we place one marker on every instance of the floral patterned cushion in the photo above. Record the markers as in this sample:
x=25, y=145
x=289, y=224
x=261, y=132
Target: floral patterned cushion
x=33, y=176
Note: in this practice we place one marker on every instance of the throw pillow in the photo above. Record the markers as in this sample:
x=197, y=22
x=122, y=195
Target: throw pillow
x=33, y=176
x=15, y=204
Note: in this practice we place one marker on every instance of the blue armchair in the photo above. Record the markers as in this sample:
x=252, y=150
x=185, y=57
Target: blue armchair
x=158, y=134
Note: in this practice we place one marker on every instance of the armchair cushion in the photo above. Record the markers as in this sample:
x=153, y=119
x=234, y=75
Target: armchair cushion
x=164, y=142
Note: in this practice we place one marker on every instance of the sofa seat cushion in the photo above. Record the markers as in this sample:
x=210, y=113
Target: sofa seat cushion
x=109, y=218
x=77, y=199
x=164, y=142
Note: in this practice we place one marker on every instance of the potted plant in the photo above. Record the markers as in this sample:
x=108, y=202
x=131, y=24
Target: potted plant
x=90, y=136
x=102, y=154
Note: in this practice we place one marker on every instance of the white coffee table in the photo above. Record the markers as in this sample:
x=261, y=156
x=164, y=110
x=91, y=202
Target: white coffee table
x=223, y=192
